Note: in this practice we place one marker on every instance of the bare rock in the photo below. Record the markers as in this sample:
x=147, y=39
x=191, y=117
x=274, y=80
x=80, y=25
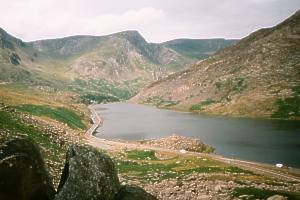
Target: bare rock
x=181, y=143
x=88, y=174
x=23, y=173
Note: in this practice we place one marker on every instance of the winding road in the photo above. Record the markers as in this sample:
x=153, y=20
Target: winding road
x=260, y=168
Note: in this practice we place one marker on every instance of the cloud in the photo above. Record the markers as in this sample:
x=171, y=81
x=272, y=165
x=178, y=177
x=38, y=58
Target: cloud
x=131, y=19
x=263, y=1
x=45, y=24
x=157, y=20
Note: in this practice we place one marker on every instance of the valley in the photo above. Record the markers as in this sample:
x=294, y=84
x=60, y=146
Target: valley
x=233, y=105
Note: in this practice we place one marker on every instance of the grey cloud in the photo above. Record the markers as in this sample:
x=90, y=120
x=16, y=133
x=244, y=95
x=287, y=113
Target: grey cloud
x=157, y=20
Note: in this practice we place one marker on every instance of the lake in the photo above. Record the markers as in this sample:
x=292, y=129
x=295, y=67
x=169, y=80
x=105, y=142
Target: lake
x=262, y=140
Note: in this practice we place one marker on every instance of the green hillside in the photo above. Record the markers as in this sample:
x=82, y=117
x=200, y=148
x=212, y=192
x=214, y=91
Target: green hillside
x=199, y=48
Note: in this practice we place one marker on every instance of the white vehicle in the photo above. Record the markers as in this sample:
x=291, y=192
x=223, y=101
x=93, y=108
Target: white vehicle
x=279, y=165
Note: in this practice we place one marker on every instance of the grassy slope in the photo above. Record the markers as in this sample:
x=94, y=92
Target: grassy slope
x=11, y=126
x=51, y=105
x=198, y=48
x=60, y=114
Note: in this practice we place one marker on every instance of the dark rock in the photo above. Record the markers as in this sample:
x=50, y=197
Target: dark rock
x=133, y=193
x=88, y=174
x=14, y=59
x=22, y=172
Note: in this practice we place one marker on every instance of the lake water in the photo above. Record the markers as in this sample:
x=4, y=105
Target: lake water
x=269, y=141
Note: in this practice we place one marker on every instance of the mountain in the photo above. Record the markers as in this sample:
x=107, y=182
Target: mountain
x=257, y=77
x=15, y=59
x=117, y=65
x=199, y=48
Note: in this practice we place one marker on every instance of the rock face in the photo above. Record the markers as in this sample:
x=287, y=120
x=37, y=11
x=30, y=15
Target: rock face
x=133, y=193
x=88, y=174
x=23, y=173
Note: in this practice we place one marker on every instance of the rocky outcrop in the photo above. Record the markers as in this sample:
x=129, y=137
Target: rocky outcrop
x=88, y=174
x=133, y=193
x=23, y=173
x=177, y=142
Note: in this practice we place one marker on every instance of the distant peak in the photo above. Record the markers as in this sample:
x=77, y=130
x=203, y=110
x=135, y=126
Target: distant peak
x=2, y=31
x=132, y=36
x=130, y=32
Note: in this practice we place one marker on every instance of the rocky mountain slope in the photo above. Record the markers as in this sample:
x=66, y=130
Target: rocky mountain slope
x=121, y=56
x=116, y=65
x=259, y=76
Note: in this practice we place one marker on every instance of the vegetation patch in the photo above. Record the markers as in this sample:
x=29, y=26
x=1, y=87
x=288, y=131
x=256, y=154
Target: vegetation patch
x=255, y=193
x=289, y=107
x=12, y=123
x=145, y=166
x=231, y=85
x=60, y=114
x=160, y=102
x=103, y=90
x=141, y=155
x=98, y=98
x=12, y=127
x=200, y=106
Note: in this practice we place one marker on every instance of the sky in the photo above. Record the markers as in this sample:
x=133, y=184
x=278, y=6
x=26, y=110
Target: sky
x=156, y=20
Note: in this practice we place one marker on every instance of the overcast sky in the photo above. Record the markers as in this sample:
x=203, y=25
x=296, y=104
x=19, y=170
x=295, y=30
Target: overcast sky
x=156, y=20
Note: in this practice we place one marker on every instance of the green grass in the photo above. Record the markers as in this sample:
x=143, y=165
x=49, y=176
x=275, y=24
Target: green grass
x=289, y=107
x=261, y=193
x=60, y=114
x=166, y=170
x=13, y=123
x=144, y=170
x=53, y=151
x=145, y=166
x=108, y=91
x=141, y=155
x=200, y=106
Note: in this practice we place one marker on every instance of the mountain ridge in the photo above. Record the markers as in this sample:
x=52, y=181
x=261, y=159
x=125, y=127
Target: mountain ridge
x=115, y=64
x=259, y=77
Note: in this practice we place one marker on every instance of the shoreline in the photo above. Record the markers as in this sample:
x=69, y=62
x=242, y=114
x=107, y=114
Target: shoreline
x=292, y=174
x=234, y=116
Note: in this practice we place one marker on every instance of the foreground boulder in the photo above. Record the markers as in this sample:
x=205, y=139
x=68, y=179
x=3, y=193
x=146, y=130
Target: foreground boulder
x=22, y=172
x=88, y=174
x=133, y=193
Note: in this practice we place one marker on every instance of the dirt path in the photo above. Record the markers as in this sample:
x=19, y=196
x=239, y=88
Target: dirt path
x=260, y=168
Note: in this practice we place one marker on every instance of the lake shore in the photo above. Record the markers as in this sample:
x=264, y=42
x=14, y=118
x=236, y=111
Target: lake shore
x=262, y=168
x=240, y=180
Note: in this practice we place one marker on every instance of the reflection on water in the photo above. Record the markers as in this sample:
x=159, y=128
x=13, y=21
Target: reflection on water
x=271, y=141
